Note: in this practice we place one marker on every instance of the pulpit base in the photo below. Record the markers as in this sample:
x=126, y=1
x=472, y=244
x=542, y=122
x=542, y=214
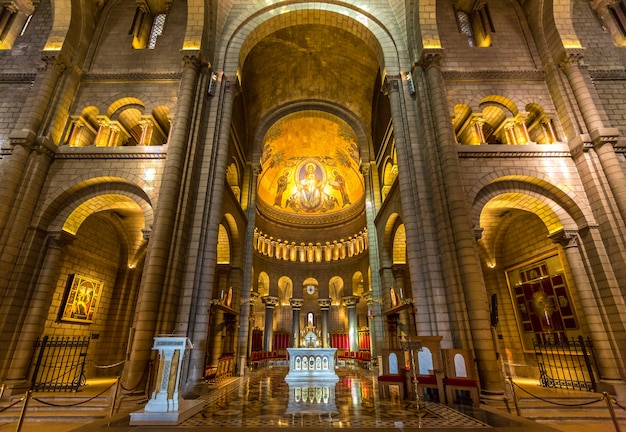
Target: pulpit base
x=186, y=409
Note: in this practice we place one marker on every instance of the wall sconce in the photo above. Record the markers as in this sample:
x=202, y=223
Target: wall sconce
x=212, y=84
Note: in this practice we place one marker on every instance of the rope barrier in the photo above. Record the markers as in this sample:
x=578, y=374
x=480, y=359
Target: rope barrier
x=77, y=403
x=132, y=389
x=557, y=403
x=109, y=366
x=12, y=405
x=56, y=379
x=617, y=403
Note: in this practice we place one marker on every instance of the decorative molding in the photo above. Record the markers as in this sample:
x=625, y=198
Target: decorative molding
x=499, y=75
x=139, y=76
x=91, y=153
x=25, y=78
x=607, y=74
x=512, y=154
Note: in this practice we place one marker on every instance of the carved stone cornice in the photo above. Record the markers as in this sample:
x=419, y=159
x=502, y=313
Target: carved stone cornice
x=26, y=78
x=607, y=74
x=296, y=303
x=350, y=301
x=324, y=304
x=478, y=232
x=270, y=301
x=493, y=75
x=139, y=76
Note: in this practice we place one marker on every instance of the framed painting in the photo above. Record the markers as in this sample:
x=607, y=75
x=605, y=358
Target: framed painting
x=81, y=298
x=542, y=302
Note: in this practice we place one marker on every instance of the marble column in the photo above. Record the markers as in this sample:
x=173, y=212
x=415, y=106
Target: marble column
x=350, y=303
x=296, y=307
x=324, y=305
x=270, y=303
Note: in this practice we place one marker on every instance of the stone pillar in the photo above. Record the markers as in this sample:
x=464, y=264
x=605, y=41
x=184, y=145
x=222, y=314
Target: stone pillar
x=211, y=214
x=593, y=304
x=603, y=138
x=473, y=286
x=270, y=303
x=325, y=307
x=24, y=135
x=156, y=264
x=38, y=307
x=350, y=302
x=371, y=321
x=296, y=306
x=377, y=332
x=254, y=295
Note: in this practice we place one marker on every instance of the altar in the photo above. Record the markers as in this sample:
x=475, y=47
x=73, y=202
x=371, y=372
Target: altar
x=311, y=363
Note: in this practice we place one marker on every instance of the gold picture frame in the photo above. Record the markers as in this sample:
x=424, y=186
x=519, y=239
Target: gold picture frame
x=81, y=299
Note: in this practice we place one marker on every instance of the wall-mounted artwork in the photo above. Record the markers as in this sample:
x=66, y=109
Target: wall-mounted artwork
x=542, y=302
x=82, y=295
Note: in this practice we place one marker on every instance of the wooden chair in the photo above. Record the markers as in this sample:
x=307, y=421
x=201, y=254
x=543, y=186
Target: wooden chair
x=461, y=375
x=393, y=372
x=429, y=366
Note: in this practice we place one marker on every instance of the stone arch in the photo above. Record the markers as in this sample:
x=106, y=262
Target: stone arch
x=263, y=284
x=246, y=30
x=62, y=202
x=335, y=289
x=388, y=235
x=567, y=204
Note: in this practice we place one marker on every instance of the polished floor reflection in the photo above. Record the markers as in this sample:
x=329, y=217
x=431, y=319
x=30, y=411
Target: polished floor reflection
x=264, y=400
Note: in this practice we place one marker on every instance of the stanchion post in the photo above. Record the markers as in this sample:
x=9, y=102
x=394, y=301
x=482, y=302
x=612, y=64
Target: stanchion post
x=609, y=405
x=519, y=414
x=117, y=388
x=20, y=421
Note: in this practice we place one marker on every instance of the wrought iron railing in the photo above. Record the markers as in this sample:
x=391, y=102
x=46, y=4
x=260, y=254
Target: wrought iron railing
x=59, y=363
x=566, y=364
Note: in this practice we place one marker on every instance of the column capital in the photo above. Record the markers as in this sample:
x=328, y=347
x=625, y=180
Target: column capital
x=193, y=59
x=350, y=301
x=324, y=304
x=392, y=84
x=60, y=239
x=54, y=60
x=478, y=233
x=572, y=57
x=601, y=136
x=370, y=299
x=430, y=57
x=232, y=84
x=22, y=138
x=270, y=301
x=296, y=303
x=565, y=237
x=254, y=296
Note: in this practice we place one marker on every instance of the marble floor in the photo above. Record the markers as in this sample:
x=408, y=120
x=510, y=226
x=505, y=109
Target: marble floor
x=263, y=401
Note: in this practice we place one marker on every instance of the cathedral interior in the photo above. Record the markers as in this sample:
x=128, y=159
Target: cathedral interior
x=241, y=173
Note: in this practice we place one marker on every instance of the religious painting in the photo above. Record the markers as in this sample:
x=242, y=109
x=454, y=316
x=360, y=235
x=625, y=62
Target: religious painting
x=542, y=302
x=80, y=302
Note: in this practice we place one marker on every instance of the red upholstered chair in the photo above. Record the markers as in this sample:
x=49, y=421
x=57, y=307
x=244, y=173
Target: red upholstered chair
x=394, y=370
x=461, y=375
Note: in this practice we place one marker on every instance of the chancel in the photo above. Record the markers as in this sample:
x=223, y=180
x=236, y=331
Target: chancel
x=297, y=187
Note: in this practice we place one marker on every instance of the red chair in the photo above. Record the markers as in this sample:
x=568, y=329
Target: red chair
x=461, y=376
x=394, y=368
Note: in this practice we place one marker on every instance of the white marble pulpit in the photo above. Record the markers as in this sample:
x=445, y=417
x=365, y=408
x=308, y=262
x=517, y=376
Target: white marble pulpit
x=166, y=407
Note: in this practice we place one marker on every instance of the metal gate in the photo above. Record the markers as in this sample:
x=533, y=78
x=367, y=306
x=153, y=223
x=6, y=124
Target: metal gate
x=566, y=364
x=59, y=363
